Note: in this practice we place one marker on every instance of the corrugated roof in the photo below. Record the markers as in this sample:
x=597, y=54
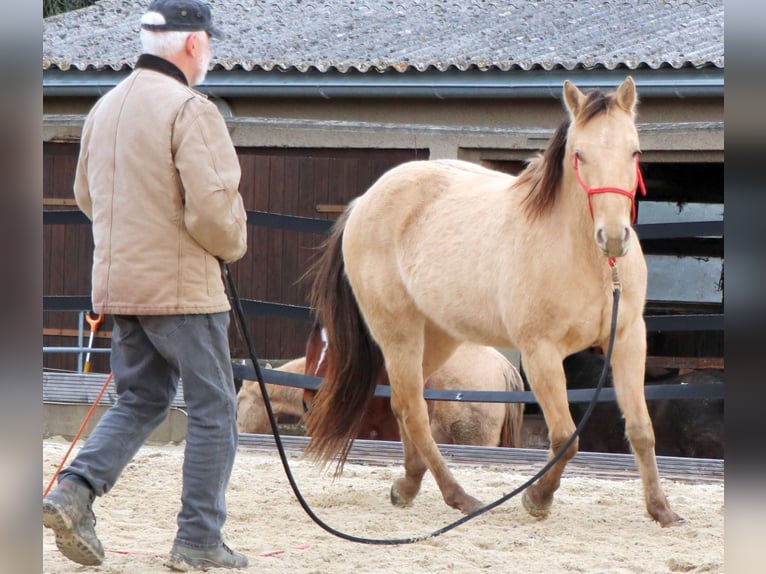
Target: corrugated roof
x=388, y=35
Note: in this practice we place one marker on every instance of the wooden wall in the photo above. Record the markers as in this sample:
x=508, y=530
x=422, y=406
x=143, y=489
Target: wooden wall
x=278, y=180
x=297, y=181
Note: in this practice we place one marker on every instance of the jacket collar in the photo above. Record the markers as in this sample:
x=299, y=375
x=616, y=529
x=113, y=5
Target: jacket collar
x=161, y=65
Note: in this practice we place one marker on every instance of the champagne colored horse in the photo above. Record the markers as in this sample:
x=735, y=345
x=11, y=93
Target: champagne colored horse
x=286, y=402
x=439, y=252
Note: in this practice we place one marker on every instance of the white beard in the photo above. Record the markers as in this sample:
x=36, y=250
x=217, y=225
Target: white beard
x=202, y=67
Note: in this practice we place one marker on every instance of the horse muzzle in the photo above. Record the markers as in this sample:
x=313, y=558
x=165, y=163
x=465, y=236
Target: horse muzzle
x=615, y=243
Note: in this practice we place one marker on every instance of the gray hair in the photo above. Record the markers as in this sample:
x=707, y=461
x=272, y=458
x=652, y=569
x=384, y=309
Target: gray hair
x=162, y=44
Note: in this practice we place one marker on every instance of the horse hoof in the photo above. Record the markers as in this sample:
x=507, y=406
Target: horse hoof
x=398, y=500
x=538, y=511
x=470, y=505
x=675, y=520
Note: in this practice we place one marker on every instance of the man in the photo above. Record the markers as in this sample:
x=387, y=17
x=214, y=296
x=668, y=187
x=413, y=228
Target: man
x=158, y=176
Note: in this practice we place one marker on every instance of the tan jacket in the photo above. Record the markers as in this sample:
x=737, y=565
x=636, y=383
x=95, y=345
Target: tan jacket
x=158, y=176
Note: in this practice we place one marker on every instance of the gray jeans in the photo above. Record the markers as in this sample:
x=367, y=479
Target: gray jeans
x=149, y=354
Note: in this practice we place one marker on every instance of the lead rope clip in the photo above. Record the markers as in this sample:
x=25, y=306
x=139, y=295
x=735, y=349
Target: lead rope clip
x=615, y=278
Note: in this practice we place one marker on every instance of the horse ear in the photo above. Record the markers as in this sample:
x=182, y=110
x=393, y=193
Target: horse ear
x=626, y=96
x=573, y=98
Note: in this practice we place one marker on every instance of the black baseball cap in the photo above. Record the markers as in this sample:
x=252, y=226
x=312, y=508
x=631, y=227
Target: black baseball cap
x=182, y=15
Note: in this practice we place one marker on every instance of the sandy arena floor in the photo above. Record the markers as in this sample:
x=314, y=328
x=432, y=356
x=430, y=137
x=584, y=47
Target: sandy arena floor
x=596, y=525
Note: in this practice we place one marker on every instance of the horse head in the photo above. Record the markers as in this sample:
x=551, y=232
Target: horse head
x=602, y=152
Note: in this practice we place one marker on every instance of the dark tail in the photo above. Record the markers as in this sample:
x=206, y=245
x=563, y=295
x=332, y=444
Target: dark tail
x=354, y=361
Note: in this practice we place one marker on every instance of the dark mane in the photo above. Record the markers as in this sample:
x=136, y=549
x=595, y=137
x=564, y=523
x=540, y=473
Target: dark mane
x=543, y=172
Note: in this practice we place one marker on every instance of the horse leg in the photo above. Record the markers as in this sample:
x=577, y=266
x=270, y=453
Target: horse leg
x=628, y=365
x=421, y=454
x=406, y=374
x=405, y=488
x=546, y=378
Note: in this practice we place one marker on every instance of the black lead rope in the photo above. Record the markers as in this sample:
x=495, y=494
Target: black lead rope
x=399, y=541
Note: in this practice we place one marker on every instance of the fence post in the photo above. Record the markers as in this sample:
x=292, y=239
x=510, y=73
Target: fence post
x=80, y=327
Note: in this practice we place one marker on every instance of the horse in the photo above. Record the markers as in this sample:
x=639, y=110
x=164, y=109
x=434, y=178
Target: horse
x=437, y=252
x=471, y=367
x=476, y=367
x=285, y=401
x=686, y=428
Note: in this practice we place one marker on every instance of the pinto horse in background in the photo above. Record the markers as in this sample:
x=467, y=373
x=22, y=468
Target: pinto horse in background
x=444, y=251
x=471, y=367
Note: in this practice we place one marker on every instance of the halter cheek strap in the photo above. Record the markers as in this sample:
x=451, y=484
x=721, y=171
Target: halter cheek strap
x=630, y=194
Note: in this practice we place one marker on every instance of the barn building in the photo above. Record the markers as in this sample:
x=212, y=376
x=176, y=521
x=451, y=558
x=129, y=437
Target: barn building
x=322, y=97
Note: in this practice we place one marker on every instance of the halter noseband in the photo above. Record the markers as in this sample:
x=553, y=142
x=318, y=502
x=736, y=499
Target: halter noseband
x=630, y=194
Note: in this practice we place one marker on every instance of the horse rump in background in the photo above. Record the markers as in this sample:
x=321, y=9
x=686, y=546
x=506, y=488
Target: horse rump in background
x=478, y=368
x=440, y=252
x=470, y=368
x=285, y=402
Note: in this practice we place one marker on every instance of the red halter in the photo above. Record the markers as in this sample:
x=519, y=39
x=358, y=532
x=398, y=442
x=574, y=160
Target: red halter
x=630, y=194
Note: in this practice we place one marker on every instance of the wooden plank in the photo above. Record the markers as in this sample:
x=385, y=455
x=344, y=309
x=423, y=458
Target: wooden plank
x=602, y=465
x=60, y=162
x=693, y=363
x=84, y=265
x=365, y=175
x=72, y=263
x=322, y=177
x=330, y=208
x=347, y=180
x=243, y=273
x=75, y=333
x=84, y=388
x=58, y=201
x=307, y=247
x=290, y=268
x=259, y=255
x=57, y=258
x=274, y=251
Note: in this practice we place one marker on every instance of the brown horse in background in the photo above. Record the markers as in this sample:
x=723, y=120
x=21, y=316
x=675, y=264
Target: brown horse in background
x=440, y=252
x=471, y=367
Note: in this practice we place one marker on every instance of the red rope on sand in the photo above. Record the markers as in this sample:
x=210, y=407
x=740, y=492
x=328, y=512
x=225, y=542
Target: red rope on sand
x=77, y=436
x=266, y=554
